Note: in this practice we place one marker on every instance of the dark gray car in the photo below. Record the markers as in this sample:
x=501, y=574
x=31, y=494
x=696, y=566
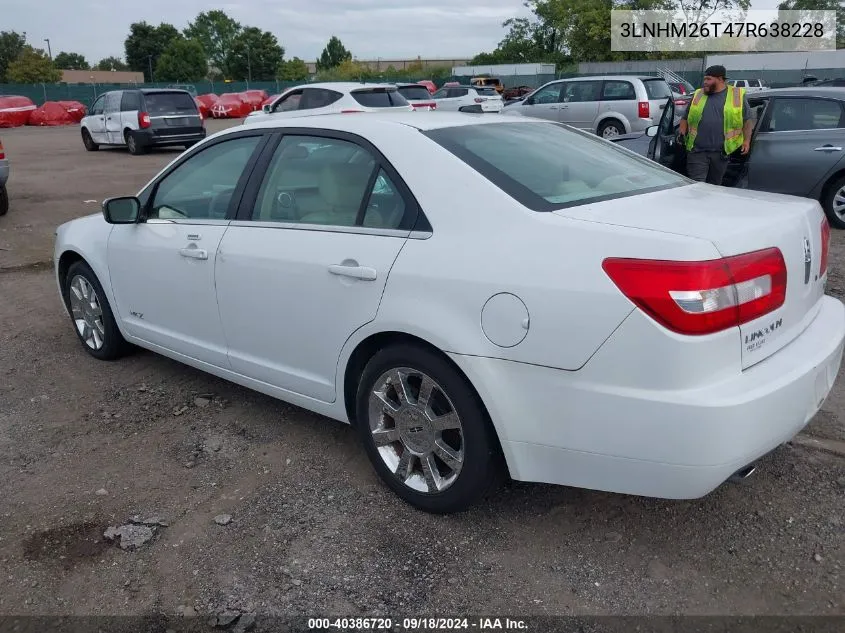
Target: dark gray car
x=797, y=148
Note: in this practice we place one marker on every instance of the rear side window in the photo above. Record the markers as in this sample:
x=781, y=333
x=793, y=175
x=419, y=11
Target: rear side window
x=131, y=101
x=457, y=92
x=546, y=166
x=792, y=114
x=379, y=98
x=318, y=98
x=657, y=89
x=618, y=91
x=169, y=102
x=417, y=93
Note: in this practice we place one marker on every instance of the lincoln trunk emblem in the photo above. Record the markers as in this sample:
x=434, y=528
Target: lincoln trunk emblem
x=808, y=260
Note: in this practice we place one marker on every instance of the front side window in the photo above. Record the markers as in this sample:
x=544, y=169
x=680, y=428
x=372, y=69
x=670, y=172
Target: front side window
x=547, y=94
x=792, y=114
x=98, y=106
x=202, y=187
x=289, y=102
x=546, y=166
x=326, y=181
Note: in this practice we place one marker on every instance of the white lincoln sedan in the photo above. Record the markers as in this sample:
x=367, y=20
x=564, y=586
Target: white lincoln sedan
x=536, y=302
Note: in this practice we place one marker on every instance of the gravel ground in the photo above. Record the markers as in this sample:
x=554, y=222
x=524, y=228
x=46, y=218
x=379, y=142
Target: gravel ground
x=231, y=502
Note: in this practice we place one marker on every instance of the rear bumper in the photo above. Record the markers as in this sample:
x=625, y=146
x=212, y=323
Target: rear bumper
x=4, y=171
x=151, y=137
x=570, y=428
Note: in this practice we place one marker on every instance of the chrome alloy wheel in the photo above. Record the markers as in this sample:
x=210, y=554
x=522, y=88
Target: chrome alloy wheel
x=839, y=204
x=87, y=312
x=416, y=430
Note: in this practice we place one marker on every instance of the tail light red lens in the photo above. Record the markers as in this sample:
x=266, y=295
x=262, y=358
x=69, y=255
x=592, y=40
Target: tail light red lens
x=2, y=152
x=703, y=297
x=143, y=120
x=825, y=244
x=643, y=109
x=480, y=99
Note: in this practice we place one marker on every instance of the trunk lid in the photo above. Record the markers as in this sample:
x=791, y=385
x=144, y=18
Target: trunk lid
x=172, y=113
x=736, y=222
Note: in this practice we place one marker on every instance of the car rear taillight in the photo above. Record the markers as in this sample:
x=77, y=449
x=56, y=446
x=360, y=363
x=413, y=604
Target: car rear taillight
x=703, y=297
x=680, y=102
x=2, y=151
x=643, y=111
x=480, y=99
x=143, y=120
x=825, y=245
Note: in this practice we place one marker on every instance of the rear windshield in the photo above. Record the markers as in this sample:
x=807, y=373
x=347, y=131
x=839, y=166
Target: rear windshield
x=379, y=98
x=546, y=166
x=487, y=92
x=417, y=93
x=161, y=102
x=657, y=89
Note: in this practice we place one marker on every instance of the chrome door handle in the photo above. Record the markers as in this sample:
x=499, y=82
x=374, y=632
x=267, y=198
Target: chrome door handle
x=827, y=148
x=356, y=272
x=194, y=253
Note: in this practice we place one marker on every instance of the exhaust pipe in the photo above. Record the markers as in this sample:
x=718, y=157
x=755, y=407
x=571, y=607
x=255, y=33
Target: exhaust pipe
x=742, y=474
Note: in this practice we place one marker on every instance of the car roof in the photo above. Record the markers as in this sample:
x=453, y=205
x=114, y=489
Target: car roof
x=803, y=91
x=157, y=90
x=360, y=121
x=347, y=86
x=611, y=77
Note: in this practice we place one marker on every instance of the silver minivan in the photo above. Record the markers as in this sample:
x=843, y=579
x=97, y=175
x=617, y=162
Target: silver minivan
x=606, y=105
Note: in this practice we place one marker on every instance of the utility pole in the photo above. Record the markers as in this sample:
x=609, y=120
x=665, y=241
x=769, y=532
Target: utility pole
x=49, y=50
x=150, y=60
x=248, y=68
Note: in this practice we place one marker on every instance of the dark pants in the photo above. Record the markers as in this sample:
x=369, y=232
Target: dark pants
x=707, y=166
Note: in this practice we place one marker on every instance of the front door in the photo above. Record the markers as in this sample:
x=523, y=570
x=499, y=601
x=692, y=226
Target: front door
x=306, y=263
x=162, y=269
x=545, y=103
x=664, y=147
x=800, y=141
x=114, y=129
x=96, y=121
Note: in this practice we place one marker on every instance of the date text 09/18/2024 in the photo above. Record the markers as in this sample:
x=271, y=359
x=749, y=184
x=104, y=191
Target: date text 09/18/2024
x=417, y=624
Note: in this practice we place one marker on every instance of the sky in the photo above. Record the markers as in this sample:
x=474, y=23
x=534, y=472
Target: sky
x=368, y=28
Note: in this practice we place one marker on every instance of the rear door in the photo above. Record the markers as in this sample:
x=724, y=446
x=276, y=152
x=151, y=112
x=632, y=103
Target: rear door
x=172, y=113
x=800, y=142
x=580, y=105
x=96, y=121
x=114, y=131
x=130, y=106
x=546, y=103
x=619, y=96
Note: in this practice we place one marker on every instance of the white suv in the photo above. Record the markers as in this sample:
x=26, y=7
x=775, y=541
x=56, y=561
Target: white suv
x=469, y=99
x=750, y=85
x=332, y=98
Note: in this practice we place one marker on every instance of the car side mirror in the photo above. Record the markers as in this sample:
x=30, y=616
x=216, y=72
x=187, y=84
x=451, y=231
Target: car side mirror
x=652, y=130
x=124, y=210
x=266, y=108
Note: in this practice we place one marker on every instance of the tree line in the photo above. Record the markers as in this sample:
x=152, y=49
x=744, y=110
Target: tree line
x=212, y=47
x=564, y=32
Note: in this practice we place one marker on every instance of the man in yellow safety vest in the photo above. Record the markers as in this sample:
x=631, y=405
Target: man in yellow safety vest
x=717, y=122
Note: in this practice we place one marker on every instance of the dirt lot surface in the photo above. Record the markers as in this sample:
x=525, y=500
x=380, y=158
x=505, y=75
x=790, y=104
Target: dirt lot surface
x=256, y=507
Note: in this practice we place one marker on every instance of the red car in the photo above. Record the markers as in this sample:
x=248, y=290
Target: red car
x=432, y=87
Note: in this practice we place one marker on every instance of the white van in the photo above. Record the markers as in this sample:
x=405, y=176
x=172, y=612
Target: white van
x=144, y=118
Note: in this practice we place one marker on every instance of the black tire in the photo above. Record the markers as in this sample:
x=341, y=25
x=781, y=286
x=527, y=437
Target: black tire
x=88, y=142
x=831, y=190
x=482, y=467
x=135, y=148
x=4, y=200
x=114, y=345
x=611, y=127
